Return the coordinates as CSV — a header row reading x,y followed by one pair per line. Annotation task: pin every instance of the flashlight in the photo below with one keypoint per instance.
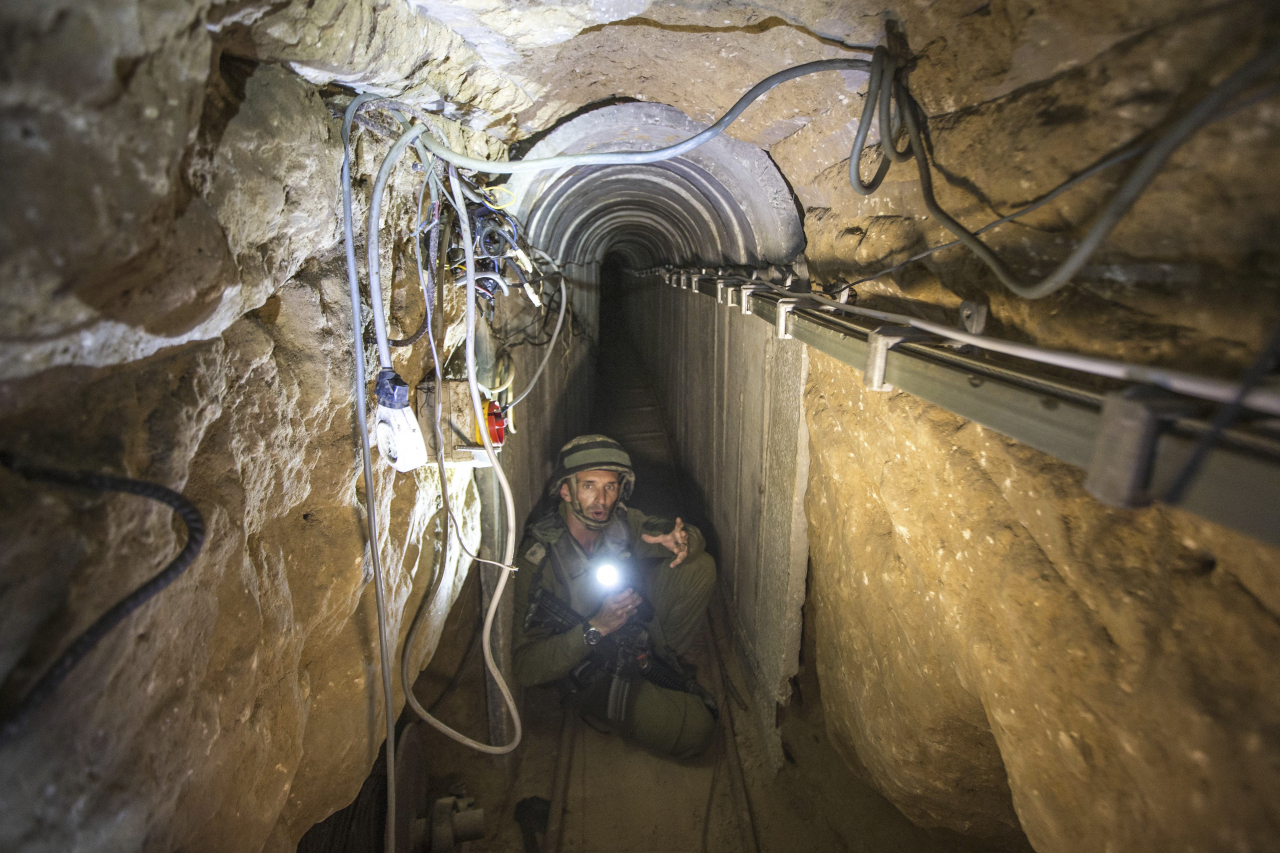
x,y
608,576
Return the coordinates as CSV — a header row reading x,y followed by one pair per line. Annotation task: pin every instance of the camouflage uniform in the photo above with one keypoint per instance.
x,y
672,722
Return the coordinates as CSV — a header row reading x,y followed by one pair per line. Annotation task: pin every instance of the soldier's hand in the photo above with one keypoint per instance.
x,y
615,611
677,542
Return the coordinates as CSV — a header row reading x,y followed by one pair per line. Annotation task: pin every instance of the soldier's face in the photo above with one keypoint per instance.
x,y
597,493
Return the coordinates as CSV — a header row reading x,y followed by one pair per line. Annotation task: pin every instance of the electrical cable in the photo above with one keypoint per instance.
x,y
504,384
1126,153
459,203
1133,187
878,87
885,92
15,720
499,473
375,209
371,510
1225,417
493,276
1204,387
407,672
426,280
564,299
626,158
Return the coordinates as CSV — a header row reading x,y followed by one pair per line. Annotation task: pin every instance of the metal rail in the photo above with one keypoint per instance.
x,y
1237,486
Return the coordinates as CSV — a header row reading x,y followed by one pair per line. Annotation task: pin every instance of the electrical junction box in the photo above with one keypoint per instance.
x,y
457,423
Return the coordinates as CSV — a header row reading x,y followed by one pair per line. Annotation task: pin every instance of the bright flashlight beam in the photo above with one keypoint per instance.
x,y
607,576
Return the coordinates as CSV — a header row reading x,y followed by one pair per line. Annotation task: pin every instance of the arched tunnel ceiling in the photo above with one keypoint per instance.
x,y
722,203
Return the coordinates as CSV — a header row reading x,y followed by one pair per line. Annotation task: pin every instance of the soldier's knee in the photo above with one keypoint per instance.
x,y
669,722
696,734
701,572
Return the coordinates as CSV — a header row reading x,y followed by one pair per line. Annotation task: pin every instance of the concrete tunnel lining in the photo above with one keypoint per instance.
x,y
722,203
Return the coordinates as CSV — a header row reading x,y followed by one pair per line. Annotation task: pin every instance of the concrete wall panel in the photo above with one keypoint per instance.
x,y
731,394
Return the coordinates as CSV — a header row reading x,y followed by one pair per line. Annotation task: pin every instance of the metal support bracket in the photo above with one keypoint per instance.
x,y
973,316
785,307
879,343
745,294
973,319
1124,449
719,291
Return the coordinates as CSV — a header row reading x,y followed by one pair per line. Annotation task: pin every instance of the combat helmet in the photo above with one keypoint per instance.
x,y
593,453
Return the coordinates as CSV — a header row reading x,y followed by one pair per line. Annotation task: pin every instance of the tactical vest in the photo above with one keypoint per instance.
x,y
556,546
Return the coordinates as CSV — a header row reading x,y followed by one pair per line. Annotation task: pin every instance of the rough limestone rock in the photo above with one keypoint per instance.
x,y
244,701
173,310
272,186
215,176
100,104
997,648
502,31
385,47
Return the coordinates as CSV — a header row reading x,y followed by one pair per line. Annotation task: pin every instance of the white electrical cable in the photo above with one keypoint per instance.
x,y
564,297
1204,387
371,510
460,203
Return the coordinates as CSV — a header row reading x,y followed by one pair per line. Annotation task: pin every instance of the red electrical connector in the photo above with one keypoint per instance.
x,y
497,423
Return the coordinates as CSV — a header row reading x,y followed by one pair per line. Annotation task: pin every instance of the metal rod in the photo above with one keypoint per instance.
x,y
1238,485
560,783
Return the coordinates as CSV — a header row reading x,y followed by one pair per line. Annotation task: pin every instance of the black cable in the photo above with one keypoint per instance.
x,y
1225,417
511,262
879,89
1119,204
1128,152
544,320
427,272
1118,157
16,719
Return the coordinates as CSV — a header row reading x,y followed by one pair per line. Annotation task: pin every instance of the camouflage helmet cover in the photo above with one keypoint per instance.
x,y
594,453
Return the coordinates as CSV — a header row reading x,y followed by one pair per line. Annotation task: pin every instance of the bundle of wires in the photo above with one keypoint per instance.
x,y
489,243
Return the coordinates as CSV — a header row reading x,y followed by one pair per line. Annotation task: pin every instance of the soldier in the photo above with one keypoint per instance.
x,y
645,583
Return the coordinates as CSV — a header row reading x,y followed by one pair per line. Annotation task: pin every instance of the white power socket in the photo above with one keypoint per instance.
x,y
400,439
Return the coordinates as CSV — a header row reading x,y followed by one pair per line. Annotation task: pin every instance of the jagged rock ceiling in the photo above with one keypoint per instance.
x,y
172,308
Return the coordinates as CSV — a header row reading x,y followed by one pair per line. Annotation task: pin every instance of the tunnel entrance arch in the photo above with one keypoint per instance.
x,y
723,203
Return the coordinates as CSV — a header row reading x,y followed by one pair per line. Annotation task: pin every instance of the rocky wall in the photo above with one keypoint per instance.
x,y
998,649
243,703
175,308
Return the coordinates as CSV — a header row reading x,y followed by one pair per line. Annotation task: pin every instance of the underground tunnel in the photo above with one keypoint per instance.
x,y
653,428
